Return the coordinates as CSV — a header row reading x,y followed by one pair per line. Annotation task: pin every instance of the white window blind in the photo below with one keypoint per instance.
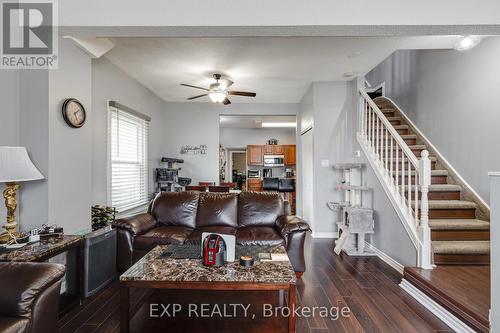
x,y
128,135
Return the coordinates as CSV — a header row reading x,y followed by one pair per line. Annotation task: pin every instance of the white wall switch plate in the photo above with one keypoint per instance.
x,y
357,153
325,163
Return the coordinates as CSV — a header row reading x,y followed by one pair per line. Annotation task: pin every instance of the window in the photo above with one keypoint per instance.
x,y
128,134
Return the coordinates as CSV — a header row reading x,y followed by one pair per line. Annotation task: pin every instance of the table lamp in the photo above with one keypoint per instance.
x,y
15,167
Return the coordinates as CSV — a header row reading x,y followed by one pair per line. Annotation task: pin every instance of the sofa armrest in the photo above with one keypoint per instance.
x,y
136,225
290,224
26,286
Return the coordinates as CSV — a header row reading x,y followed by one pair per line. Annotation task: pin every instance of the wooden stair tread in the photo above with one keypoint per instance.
x,y
458,224
412,147
439,172
394,118
439,188
461,247
396,126
450,204
463,290
431,158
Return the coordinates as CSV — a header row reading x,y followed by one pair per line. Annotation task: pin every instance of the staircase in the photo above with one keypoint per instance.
x,y
446,220
459,223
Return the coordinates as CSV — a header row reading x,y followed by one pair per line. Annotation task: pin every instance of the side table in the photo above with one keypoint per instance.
x,y
49,247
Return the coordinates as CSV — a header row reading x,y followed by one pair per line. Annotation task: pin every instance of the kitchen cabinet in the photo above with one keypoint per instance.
x,y
274,149
279,150
255,155
290,152
254,185
269,150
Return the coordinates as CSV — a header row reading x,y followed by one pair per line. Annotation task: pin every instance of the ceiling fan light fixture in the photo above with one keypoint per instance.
x,y
217,96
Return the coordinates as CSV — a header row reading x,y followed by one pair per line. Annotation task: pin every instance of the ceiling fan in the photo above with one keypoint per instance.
x,y
217,92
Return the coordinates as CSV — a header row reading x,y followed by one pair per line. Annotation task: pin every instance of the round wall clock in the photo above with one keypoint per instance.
x,y
74,113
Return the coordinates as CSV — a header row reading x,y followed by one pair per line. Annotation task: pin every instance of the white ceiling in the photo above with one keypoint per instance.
x,y
254,121
278,69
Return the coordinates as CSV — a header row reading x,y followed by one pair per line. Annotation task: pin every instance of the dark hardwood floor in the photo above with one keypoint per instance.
x,y
367,286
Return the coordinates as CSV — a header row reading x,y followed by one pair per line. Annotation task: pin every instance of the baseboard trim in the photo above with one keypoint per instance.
x,y
386,258
444,315
323,234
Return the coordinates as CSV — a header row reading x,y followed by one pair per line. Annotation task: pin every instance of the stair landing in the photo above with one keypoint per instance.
x,y
462,290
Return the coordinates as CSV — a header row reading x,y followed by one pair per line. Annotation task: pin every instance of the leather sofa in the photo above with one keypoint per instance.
x,y
29,296
255,218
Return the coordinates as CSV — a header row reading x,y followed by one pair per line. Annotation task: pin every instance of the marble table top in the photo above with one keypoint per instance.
x,y
155,267
43,249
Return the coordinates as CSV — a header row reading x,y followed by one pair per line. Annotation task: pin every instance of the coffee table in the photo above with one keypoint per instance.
x,y
160,270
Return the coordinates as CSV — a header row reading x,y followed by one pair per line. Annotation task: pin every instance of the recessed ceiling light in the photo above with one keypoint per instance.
x,y
278,125
354,54
467,43
350,74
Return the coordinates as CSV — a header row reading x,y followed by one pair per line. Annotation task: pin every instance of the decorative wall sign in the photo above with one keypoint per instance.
x,y
194,150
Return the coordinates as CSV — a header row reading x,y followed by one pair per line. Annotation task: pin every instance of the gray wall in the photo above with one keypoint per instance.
x,y
70,150
111,83
34,135
332,130
331,107
198,123
9,115
241,137
451,97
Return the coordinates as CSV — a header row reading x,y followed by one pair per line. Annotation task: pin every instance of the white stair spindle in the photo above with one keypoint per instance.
x,y
397,168
362,117
409,187
403,179
378,138
386,151
392,161
415,182
369,127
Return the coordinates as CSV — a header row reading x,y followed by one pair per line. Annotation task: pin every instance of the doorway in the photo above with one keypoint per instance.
x,y
237,167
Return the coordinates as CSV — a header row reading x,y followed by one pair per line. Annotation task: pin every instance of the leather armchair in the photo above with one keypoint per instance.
x,y
29,296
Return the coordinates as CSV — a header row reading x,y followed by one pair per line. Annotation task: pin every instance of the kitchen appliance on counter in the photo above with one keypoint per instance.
x,y
253,174
267,172
274,160
289,173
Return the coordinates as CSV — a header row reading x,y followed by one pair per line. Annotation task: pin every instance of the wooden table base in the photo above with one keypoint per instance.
x,y
126,313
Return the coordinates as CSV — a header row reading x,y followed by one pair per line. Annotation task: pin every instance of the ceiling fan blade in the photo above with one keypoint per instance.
x,y
190,98
242,93
226,101
225,84
188,85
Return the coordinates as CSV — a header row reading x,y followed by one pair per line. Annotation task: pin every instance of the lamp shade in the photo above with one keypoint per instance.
x,y
16,166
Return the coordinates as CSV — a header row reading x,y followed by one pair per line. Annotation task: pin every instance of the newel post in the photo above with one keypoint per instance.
x,y
425,255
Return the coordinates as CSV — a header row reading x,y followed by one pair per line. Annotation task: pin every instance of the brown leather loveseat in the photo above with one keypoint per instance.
x,y
29,296
255,218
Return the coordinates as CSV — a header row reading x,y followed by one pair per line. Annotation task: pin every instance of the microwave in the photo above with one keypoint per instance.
x,y
253,174
274,160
